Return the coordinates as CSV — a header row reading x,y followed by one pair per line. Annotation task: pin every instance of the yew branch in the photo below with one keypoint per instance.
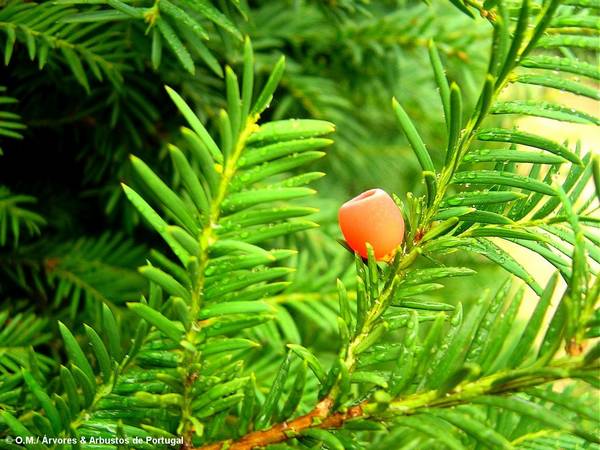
x,y
501,383
319,417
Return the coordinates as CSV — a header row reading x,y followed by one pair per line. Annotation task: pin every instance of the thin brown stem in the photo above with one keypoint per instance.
x,y
319,417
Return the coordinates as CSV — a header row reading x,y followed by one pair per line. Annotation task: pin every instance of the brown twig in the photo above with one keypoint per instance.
x,y
319,417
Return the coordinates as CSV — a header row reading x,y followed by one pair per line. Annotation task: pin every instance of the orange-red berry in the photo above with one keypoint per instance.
x,y
372,217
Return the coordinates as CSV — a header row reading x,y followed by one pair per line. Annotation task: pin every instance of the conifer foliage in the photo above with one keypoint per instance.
x,y
194,302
